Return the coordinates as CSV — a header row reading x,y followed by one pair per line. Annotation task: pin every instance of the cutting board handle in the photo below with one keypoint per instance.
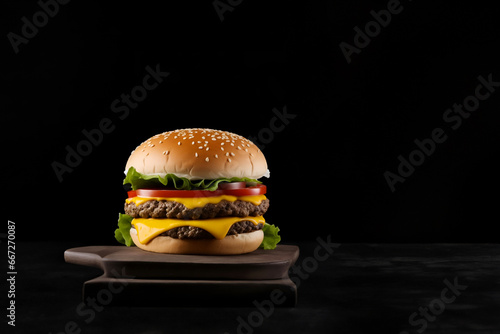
x,y
87,256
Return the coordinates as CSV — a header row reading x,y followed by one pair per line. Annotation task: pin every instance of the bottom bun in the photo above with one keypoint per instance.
x,y
230,245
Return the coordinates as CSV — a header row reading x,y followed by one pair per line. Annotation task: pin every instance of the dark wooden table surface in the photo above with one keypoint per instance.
x,y
342,288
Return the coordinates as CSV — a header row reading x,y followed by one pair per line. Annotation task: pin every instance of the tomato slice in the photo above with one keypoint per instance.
x,y
258,189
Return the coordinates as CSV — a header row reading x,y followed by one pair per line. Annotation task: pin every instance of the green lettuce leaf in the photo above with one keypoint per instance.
x,y
122,233
271,236
138,180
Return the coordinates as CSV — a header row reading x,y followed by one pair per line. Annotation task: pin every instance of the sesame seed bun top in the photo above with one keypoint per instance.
x,y
199,154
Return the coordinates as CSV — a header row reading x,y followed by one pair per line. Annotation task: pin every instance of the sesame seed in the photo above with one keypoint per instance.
x,y
192,143
222,148
222,144
216,156
160,142
179,143
228,159
200,148
227,154
246,150
232,154
239,147
208,148
207,159
196,154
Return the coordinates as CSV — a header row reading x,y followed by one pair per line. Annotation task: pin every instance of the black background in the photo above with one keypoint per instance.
x,y
327,165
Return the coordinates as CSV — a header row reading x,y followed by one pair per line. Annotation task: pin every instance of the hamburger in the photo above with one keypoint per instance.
x,y
196,191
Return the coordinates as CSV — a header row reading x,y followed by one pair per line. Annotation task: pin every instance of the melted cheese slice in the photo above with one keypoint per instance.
x,y
197,202
148,228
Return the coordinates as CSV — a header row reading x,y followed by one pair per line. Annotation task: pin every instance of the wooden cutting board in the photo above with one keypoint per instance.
x,y
132,261
136,277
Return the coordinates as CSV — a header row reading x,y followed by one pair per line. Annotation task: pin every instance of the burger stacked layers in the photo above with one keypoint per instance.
x,y
196,191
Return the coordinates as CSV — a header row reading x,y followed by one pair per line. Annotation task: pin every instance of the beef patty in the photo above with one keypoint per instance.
x,y
191,232
171,209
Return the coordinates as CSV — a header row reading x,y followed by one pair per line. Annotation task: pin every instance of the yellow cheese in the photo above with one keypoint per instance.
x,y
148,228
197,202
